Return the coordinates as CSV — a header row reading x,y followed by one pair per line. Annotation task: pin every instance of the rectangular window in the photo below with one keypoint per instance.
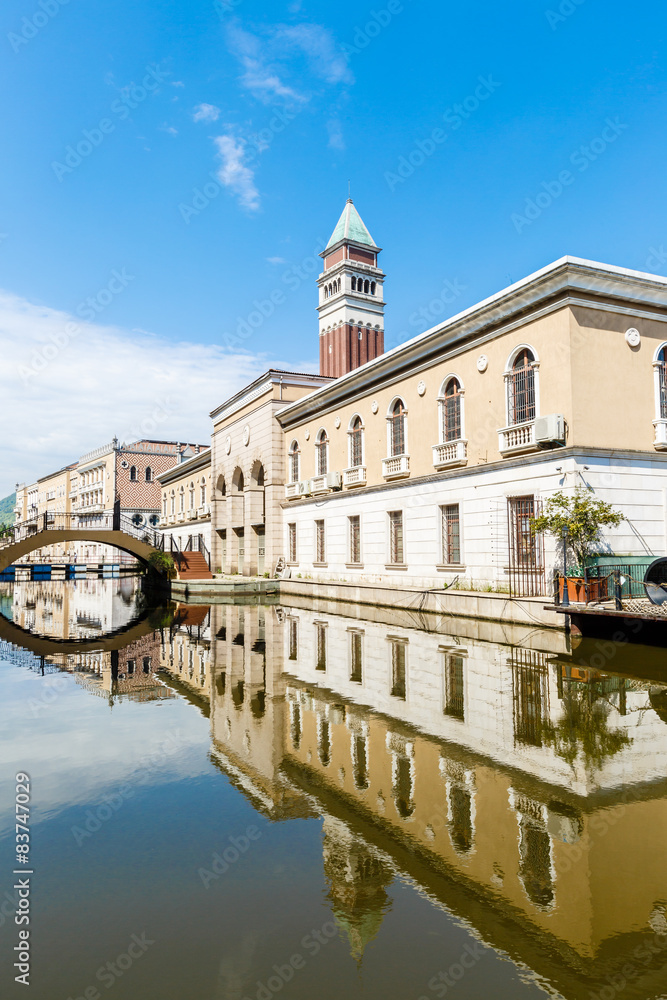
x,y
398,669
355,539
130,666
293,638
321,647
356,665
451,534
453,686
320,553
291,536
396,548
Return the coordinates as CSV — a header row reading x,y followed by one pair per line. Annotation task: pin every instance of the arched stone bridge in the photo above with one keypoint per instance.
x,y
107,527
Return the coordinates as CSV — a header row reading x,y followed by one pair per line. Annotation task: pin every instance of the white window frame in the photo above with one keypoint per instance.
x,y
442,402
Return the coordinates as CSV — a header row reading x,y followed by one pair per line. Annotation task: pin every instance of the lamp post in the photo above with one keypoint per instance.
x,y
566,597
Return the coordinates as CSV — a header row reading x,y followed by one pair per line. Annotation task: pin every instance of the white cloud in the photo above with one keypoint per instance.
x,y
206,113
260,77
169,129
276,260
335,130
61,399
325,58
234,173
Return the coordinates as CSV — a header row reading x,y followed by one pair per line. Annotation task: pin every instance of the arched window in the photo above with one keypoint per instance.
x,y
661,383
397,421
149,474
356,442
372,288
451,406
367,287
221,486
322,453
192,496
294,462
354,284
173,502
521,388
181,499
164,504
202,491
133,473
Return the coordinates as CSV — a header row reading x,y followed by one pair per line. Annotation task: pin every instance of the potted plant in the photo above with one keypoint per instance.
x,y
577,519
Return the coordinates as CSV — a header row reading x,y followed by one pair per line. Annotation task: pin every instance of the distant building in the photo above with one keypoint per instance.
x,y
114,475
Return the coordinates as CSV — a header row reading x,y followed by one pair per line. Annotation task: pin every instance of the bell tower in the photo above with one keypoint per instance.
x,y
351,307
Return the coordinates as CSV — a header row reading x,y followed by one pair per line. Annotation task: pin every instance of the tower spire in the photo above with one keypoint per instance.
x,y
351,304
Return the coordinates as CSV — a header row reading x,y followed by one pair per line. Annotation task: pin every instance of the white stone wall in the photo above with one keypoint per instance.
x,y
635,486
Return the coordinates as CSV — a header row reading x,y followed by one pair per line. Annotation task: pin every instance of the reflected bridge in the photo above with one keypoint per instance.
x,y
41,645
106,527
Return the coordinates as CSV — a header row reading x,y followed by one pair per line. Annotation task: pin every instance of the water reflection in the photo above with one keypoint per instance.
x,y
489,767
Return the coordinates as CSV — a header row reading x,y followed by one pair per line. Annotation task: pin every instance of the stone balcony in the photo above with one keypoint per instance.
x,y
517,439
356,476
396,467
450,453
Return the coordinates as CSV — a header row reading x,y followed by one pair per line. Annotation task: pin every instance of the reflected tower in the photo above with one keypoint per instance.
x,y
358,880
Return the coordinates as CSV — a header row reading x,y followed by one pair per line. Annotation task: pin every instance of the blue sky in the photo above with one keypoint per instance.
x,y
275,106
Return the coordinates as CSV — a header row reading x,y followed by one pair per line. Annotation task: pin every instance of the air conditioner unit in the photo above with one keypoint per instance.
x,y
334,480
550,430
305,488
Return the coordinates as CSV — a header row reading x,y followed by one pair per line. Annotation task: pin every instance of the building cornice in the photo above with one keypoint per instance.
x,y
488,468
569,281
194,464
262,385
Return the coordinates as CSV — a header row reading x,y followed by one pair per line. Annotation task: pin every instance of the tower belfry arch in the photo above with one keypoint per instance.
x,y
351,300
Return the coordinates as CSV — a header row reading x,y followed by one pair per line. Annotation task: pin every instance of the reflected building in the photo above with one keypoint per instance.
x,y
477,762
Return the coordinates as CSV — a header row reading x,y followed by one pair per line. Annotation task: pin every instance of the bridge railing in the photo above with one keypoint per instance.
x,y
98,521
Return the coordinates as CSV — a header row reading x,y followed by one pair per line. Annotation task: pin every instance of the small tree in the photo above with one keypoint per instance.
x,y
162,563
582,514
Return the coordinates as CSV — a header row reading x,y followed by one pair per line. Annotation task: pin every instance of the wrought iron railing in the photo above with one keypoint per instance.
x,y
108,520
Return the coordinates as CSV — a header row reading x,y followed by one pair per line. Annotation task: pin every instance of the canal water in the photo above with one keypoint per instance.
x,y
324,801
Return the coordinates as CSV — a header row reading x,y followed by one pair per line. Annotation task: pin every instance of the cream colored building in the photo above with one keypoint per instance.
x,y
248,473
426,464
185,516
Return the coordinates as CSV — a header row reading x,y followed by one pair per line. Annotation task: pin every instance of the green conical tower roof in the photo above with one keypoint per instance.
x,y
350,226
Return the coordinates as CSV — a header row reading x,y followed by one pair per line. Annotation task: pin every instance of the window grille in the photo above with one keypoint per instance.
x,y
450,412
397,429
396,549
355,539
521,389
320,553
451,534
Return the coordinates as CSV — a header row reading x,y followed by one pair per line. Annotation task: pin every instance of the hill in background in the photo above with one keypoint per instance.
x,y
7,509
